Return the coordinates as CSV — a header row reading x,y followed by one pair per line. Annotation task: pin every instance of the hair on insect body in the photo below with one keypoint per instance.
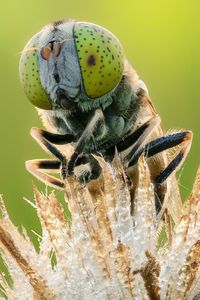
x,y
91,100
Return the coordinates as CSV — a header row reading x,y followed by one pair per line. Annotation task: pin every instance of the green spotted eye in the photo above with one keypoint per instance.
x,y
100,57
29,75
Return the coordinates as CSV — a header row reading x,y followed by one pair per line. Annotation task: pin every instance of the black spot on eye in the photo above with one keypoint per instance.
x,y
91,60
113,56
86,51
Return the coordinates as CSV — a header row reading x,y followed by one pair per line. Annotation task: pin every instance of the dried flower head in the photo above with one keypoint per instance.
x,y
108,251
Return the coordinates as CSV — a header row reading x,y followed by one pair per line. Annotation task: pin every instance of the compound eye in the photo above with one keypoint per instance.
x,y
100,57
29,75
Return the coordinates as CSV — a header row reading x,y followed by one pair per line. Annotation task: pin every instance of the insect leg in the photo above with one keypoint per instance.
x,y
148,128
45,138
86,135
39,167
132,138
177,160
54,138
163,143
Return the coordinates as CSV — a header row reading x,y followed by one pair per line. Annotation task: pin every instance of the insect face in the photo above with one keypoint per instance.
x,y
75,62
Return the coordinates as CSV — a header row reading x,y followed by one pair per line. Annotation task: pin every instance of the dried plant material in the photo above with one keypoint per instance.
x,y
106,252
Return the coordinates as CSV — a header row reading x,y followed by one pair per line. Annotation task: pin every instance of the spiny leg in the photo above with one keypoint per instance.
x,y
39,167
144,130
54,138
45,138
159,145
163,143
131,139
148,128
178,160
85,137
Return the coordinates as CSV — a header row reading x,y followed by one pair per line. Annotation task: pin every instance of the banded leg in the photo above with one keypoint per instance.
x,y
39,167
141,141
45,140
164,143
131,139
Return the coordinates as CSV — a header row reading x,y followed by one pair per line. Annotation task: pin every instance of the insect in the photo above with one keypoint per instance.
x,y
90,97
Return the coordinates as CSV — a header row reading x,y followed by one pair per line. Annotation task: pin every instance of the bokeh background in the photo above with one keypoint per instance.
x,y
160,38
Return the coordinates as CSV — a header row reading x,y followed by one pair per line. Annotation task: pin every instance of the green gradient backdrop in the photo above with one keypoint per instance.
x,y
160,38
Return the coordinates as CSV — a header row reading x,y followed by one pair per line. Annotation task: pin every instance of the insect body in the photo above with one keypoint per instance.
x,y
89,96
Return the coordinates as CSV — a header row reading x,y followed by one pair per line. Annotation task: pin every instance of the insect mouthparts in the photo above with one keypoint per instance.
x,y
64,101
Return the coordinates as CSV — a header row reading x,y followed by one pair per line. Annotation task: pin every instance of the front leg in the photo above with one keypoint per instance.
x,y
39,167
96,121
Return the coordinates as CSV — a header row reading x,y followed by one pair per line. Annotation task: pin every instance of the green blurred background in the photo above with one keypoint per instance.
x,y
160,38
